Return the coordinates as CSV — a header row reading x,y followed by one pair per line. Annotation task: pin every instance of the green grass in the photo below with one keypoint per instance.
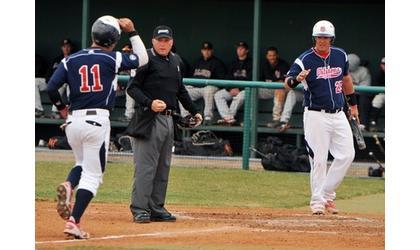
x,y
208,187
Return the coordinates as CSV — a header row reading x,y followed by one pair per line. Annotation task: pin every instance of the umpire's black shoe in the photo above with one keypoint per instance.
x,y
163,217
141,218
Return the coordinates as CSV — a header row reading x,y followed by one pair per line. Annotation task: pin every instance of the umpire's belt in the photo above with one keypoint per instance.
x,y
84,112
168,112
330,111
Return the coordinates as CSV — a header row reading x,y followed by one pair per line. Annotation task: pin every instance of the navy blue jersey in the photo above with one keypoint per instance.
x,y
323,86
91,76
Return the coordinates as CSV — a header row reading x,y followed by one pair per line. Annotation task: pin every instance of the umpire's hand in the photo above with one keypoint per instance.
x,y
158,105
198,119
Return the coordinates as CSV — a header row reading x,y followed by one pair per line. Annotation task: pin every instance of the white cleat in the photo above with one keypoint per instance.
x,y
330,207
318,210
71,229
64,195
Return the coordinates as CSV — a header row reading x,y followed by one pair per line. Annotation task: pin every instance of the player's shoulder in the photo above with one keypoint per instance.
x,y
93,51
305,54
339,50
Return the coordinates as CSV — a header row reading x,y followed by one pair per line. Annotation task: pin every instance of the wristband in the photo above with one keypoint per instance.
x,y
351,99
292,82
132,33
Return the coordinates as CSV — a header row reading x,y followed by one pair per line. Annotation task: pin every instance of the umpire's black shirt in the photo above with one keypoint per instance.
x,y
161,79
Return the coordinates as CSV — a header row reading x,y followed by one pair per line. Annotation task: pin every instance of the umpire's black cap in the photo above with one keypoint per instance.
x,y
162,31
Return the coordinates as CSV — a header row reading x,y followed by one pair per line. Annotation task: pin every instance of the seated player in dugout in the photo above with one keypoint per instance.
x,y
240,69
207,66
273,70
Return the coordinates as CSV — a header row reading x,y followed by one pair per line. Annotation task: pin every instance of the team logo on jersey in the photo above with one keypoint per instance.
x,y
132,57
202,72
325,73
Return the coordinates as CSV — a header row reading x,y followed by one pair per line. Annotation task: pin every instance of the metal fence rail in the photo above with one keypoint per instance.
x,y
249,128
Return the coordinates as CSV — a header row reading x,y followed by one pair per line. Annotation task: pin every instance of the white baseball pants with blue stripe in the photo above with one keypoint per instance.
x,y
88,136
327,132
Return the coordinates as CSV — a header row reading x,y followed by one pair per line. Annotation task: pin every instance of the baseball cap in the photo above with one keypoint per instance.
x,y
66,42
243,44
207,45
162,31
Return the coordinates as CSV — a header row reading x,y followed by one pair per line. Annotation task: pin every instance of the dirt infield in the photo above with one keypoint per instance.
x,y
111,226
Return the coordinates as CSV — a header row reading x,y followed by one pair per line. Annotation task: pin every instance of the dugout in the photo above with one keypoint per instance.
x,y
360,29
360,25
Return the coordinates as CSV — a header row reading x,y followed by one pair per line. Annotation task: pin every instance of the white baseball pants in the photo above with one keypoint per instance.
x,y
327,132
207,93
88,136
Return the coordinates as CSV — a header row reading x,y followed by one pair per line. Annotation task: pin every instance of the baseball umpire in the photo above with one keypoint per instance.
x,y
323,70
156,88
91,75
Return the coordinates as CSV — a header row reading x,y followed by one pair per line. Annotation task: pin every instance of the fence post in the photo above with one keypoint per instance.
x,y
246,129
255,74
85,20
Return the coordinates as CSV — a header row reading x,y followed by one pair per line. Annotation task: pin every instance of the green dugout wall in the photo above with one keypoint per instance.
x,y
360,25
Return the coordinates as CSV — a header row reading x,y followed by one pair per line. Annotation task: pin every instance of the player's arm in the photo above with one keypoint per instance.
x,y
348,90
56,81
295,75
138,46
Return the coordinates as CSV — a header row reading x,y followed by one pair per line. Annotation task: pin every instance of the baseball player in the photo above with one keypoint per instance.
x,y
323,70
91,75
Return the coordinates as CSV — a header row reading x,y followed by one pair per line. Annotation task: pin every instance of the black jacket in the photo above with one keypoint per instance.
x,y
240,70
160,79
275,73
213,68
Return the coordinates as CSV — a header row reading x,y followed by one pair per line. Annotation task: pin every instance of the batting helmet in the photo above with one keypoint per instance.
x,y
106,31
323,28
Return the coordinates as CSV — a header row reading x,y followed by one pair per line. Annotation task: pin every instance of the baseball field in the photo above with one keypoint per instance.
x,y
216,208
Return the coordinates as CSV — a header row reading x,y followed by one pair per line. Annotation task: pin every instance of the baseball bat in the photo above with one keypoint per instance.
x,y
372,155
258,152
357,133
378,142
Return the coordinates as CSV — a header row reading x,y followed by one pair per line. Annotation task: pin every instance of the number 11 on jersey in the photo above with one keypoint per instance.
x,y
85,87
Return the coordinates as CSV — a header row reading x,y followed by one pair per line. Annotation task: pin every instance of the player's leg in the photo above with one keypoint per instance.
x,y
236,103
65,189
279,98
377,103
317,140
195,94
221,98
342,149
129,106
95,138
40,85
160,183
208,96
